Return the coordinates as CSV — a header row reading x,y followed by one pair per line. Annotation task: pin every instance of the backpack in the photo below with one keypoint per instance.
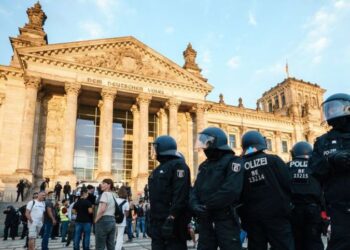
x,y
118,214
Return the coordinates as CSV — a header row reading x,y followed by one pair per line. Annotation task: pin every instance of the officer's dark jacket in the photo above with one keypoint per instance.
x,y
169,186
219,183
267,190
305,188
334,179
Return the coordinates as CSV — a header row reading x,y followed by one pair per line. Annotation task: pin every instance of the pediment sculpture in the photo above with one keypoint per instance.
x,y
127,60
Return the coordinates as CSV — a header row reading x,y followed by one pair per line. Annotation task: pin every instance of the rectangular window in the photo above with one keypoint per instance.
x,y
232,140
269,144
284,146
283,100
270,106
277,103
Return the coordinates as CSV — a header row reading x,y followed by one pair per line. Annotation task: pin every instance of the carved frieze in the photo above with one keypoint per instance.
x,y
127,60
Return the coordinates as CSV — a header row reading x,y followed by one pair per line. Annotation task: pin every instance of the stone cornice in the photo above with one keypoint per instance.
x,y
300,84
10,72
88,46
103,71
249,114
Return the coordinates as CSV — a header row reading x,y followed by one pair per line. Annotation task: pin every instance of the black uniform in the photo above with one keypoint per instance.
x,y
57,190
11,222
266,202
169,186
218,187
335,179
20,190
67,190
306,215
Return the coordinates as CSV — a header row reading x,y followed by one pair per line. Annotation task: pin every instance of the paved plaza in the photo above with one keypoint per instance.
x,y
57,244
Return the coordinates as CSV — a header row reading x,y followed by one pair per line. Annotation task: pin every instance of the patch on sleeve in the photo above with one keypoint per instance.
x,y
180,173
236,167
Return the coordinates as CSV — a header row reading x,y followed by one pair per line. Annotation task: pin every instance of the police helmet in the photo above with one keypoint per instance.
x,y
336,106
212,138
253,141
164,145
302,150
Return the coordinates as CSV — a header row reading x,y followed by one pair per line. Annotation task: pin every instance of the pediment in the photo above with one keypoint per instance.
x,y
127,55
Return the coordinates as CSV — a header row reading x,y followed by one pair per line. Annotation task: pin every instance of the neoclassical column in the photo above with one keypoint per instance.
x,y
163,122
198,156
70,120
278,142
189,158
2,99
135,147
143,101
32,85
173,105
105,134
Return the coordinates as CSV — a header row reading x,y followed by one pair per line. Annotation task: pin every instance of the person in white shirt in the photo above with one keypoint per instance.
x,y
35,212
122,202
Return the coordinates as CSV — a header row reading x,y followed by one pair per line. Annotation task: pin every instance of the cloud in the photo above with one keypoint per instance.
x,y
252,19
169,30
342,4
92,29
233,62
317,46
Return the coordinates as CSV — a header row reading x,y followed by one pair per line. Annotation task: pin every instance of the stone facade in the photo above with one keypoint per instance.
x,y
43,88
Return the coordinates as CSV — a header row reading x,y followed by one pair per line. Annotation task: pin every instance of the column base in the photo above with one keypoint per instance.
x,y
104,175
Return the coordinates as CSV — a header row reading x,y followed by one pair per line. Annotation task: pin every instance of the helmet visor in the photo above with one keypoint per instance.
x,y
335,108
204,141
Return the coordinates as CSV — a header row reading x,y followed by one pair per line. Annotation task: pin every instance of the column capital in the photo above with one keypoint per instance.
x,y
188,116
200,107
2,98
172,103
134,109
161,112
72,88
278,133
108,94
32,82
144,99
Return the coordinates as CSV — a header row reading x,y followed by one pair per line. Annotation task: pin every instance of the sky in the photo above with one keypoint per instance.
x,y
242,45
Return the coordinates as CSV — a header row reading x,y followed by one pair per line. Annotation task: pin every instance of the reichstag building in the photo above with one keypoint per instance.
x,y
89,110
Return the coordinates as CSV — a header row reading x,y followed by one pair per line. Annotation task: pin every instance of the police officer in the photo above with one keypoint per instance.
x,y
266,196
216,192
307,198
169,186
330,163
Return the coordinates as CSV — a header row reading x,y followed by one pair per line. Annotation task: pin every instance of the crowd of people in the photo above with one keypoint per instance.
x,y
78,214
285,206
